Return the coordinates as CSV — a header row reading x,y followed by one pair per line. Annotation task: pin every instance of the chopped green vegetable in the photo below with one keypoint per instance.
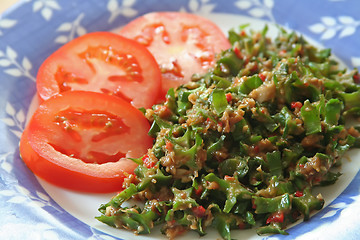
x,y
245,143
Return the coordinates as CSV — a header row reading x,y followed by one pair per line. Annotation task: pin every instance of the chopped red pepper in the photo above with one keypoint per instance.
x,y
169,146
227,177
295,105
199,190
199,211
242,225
243,33
238,52
147,162
317,179
254,68
256,149
228,97
253,204
356,78
275,217
299,194
282,52
262,77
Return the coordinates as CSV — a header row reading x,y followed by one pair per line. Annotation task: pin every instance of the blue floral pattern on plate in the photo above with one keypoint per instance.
x,y
33,29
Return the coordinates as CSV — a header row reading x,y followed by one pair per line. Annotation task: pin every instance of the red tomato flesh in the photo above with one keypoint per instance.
x,y
102,62
81,141
182,43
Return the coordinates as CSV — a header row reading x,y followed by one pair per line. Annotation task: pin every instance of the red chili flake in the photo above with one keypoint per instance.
x,y
356,78
254,68
199,190
169,146
238,52
262,77
247,60
299,194
256,149
227,177
242,225
243,33
228,97
295,105
317,179
199,211
283,51
253,204
147,162
220,124
275,217
301,165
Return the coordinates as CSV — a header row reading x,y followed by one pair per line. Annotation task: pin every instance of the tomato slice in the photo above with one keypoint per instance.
x,y
81,141
102,62
182,43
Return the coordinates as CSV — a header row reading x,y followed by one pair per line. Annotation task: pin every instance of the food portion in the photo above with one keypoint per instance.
x,y
82,141
245,143
182,44
89,124
102,62
248,127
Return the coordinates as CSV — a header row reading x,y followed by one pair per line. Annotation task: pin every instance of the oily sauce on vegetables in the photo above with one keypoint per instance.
x,y
245,143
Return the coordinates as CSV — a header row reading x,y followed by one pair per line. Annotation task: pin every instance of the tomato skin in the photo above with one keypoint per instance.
x,y
100,62
38,151
182,43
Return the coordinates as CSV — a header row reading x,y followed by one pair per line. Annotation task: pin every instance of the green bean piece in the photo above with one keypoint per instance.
x,y
311,117
244,143
218,101
307,203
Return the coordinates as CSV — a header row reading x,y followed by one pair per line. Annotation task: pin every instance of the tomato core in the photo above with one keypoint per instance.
x,y
126,68
93,126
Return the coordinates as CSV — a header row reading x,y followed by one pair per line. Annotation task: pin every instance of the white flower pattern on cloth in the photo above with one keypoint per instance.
x,y
6,23
74,29
330,26
21,195
8,60
124,9
199,6
27,211
257,8
29,230
46,8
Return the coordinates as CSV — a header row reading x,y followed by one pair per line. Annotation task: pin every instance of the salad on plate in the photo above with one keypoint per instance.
x,y
194,129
